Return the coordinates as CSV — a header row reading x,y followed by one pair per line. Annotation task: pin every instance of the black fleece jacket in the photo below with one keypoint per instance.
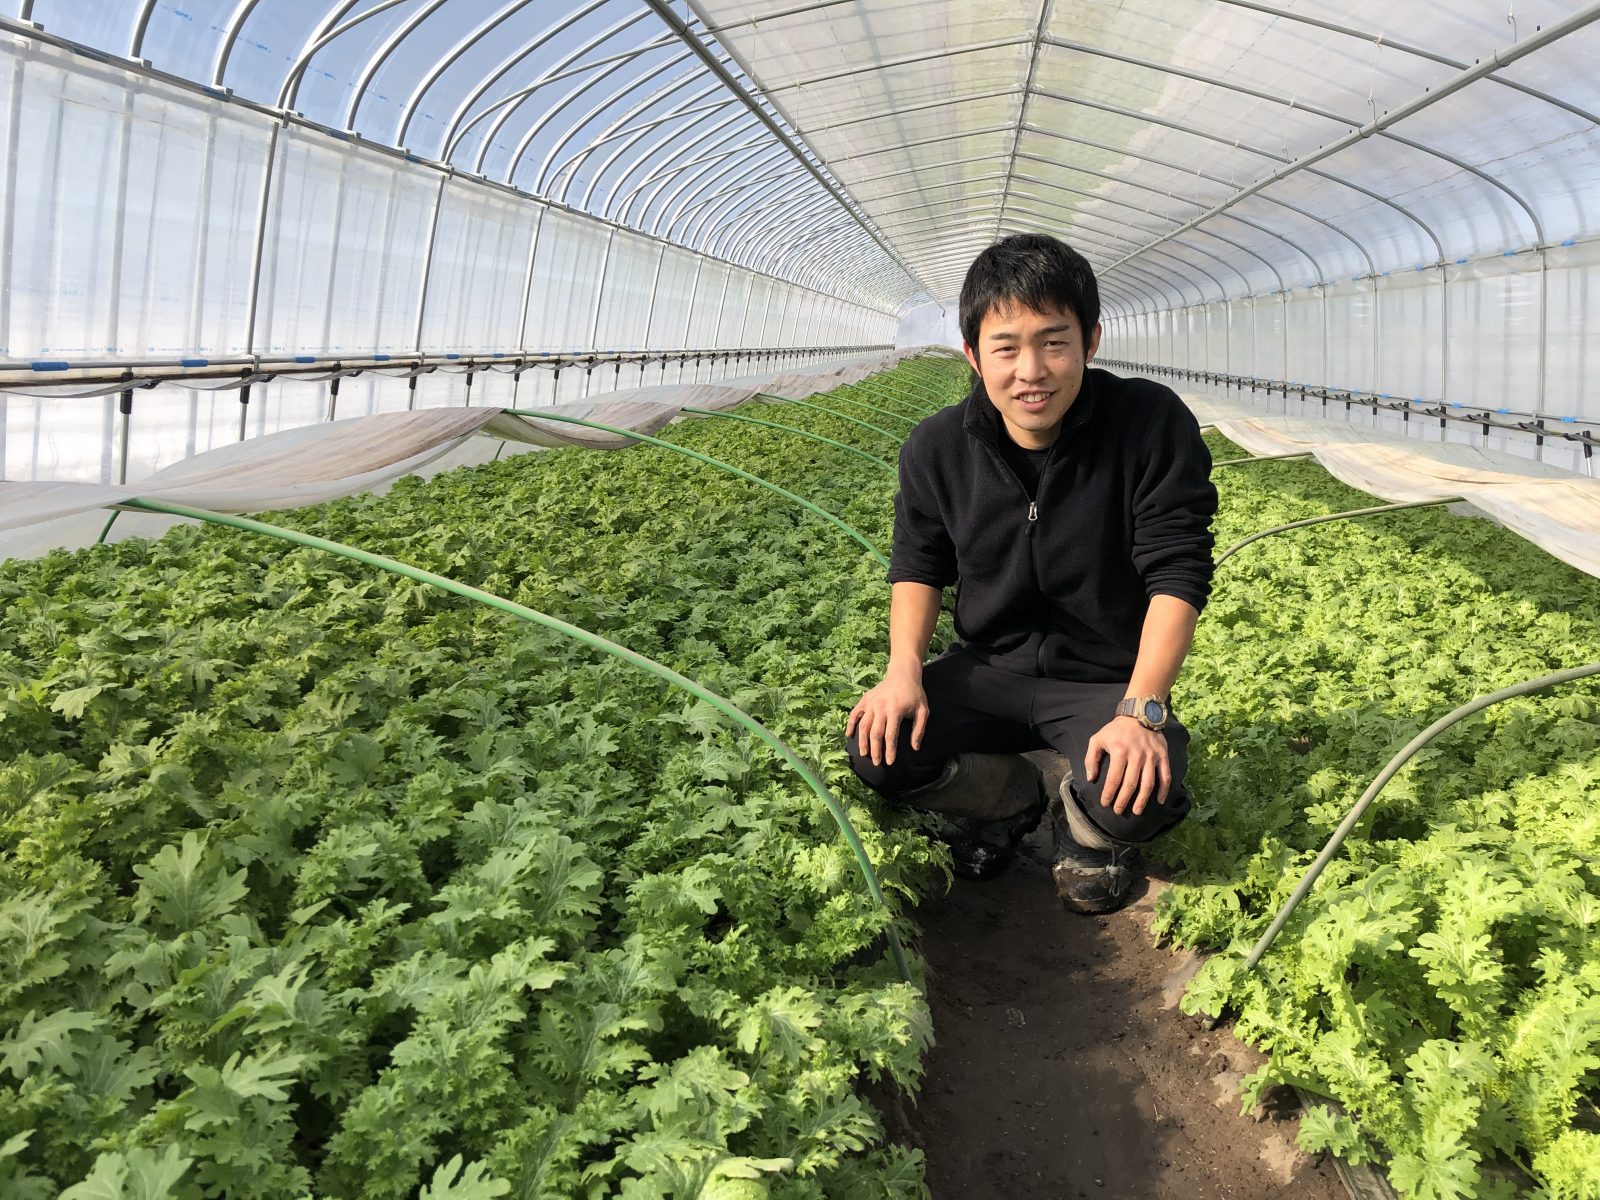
x,y
1059,586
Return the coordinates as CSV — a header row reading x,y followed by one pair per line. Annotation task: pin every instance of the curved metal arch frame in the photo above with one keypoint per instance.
x,y
619,204
677,123
1159,216
1290,242
700,229
1417,104
1325,114
828,180
742,249
760,249
1078,216
562,70
1383,40
1236,144
671,207
1228,184
574,60
381,55
688,197
547,117
792,188
545,181
507,65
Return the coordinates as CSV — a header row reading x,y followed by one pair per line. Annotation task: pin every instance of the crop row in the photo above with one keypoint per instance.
x,y
1442,983
315,881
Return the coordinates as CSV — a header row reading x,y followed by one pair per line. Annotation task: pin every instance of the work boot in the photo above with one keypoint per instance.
x,y
993,802
1092,873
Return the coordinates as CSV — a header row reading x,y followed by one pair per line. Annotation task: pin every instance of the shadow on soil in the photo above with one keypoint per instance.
x,y
1063,1067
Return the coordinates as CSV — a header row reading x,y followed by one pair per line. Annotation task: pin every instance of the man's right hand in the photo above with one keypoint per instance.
x,y
875,720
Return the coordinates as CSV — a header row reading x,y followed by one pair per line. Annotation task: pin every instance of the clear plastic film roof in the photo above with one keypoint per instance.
x,y
1194,149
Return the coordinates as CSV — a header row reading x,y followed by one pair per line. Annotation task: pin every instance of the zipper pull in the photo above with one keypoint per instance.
x,y
1033,510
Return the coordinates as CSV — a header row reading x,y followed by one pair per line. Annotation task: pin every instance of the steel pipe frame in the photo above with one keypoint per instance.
x,y
661,174
891,64
507,64
574,60
1234,144
1039,27
629,135
1550,33
549,114
1405,48
375,61
1337,118
778,189
280,120
678,206
663,9
1266,262
543,180
1228,184
290,88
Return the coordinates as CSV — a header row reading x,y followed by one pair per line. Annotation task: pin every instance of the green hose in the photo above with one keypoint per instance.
x,y
1339,516
705,458
832,412
1388,773
882,412
416,574
1255,458
105,529
853,389
815,437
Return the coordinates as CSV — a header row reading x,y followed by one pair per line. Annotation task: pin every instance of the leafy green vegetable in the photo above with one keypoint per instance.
x,y
315,882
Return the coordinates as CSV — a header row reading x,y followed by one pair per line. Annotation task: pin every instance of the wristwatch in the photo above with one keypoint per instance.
x,y
1149,711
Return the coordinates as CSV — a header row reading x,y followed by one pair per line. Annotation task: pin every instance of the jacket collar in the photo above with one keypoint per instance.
x,y
982,420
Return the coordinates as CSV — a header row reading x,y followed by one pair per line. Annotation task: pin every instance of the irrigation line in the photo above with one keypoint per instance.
x,y
106,528
594,640
870,407
1388,773
1255,458
827,516
833,412
815,437
854,388
1338,516
912,398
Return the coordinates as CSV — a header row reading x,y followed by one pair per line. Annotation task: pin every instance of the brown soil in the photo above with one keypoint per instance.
x,y
1063,1067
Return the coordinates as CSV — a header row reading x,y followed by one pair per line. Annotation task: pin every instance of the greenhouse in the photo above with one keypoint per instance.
x,y
458,461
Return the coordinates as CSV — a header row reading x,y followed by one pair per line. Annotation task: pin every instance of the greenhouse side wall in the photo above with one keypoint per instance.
x,y
145,219
1514,337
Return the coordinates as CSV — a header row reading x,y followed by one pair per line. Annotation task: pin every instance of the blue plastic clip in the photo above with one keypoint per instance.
x,y
51,364
194,362
305,358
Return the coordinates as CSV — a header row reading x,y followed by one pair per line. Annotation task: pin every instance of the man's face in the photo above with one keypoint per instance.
x,y
1032,365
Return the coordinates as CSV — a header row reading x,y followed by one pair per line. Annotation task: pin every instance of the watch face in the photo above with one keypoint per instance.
x,y
1154,713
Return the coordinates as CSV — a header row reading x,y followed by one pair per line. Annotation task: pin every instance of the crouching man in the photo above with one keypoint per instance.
x,y
1075,509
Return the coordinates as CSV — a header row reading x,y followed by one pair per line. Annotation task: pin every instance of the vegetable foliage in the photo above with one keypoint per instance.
x,y
315,881
1442,981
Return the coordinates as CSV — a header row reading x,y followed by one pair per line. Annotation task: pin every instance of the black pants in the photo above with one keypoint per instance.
x,y
975,708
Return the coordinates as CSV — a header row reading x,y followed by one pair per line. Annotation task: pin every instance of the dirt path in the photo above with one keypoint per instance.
x,y
1063,1067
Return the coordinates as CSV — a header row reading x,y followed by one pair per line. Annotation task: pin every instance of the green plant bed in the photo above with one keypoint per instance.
x,y
1442,982
313,880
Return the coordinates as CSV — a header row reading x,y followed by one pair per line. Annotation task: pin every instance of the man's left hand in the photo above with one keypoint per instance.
x,y
1136,765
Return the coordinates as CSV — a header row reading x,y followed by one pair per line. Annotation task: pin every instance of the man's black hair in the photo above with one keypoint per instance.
x,y
1032,269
